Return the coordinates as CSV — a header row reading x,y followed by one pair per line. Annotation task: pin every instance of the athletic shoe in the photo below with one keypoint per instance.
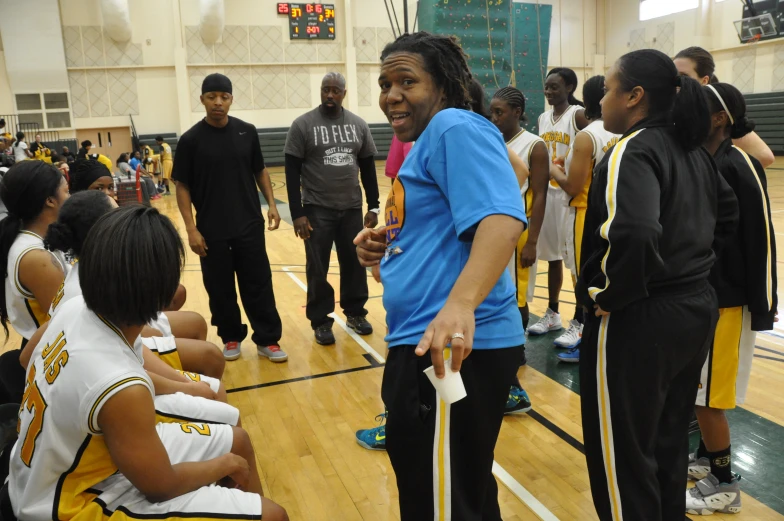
x,y
273,352
517,401
709,496
551,321
231,351
699,468
375,438
360,325
155,197
166,194
160,189
571,356
324,335
572,337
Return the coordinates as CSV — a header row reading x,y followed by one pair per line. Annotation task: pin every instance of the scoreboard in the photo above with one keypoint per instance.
x,y
309,21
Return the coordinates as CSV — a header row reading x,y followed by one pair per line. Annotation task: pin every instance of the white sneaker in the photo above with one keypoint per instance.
x,y
699,468
572,337
551,321
709,496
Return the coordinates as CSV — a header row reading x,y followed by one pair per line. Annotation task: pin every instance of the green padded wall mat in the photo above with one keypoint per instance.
x,y
506,42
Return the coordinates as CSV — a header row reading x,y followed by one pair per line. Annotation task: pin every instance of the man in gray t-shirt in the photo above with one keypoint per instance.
x,y
327,150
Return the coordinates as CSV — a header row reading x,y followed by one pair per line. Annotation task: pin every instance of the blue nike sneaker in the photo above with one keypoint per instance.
x,y
517,401
375,438
571,356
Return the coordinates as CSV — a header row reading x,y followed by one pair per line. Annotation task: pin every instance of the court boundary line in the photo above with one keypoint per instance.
x,y
514,486
370,359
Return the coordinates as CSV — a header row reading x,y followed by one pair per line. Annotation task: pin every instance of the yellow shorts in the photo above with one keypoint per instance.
x,y
574,226
725,375
520,275
167,169
164,347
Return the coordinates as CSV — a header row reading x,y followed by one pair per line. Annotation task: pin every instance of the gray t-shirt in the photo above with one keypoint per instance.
x,y
330,149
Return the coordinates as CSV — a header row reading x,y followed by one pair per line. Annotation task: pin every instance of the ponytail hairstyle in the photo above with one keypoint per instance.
x,y
19,137
514,98
477,102
703,61
569,78
123,158
76,218
593,92
24,190
725,97
655,72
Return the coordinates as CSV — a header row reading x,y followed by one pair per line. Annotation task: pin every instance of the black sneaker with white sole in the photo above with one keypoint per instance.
x,y
360,325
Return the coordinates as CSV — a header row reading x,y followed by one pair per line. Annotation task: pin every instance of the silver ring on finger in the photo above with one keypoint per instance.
x,y
461,336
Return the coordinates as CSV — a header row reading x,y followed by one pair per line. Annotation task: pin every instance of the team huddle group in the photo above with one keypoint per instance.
x,y
663,222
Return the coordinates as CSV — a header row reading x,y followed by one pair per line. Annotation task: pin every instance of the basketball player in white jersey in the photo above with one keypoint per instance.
x,y
589,147
88,441
33,192
507,109
557,127
179,395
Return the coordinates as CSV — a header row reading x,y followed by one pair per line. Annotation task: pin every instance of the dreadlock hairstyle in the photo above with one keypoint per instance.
x,y
477,103
723,96
703,62
514,98
655,72
444,59
569,78
593,92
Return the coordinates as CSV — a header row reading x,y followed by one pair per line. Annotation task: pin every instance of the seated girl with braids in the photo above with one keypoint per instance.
x,y
67,236
198,356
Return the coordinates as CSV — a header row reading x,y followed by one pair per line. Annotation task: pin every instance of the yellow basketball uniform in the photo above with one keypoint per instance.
x,y
575,218
167,160
522,145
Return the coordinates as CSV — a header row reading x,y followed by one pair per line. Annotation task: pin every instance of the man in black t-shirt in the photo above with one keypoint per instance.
x,y
228,233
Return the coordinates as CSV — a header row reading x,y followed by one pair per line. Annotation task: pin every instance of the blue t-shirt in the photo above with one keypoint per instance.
x,y
456,174
134,163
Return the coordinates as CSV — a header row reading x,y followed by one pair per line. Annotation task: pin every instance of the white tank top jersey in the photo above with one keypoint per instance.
x,y
602,142
523,145
24,312
60,459
558,133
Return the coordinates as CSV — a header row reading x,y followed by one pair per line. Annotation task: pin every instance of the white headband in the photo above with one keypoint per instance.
x,y
724,105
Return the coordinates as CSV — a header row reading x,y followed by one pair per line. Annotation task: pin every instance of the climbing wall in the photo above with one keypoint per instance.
x,y
506,42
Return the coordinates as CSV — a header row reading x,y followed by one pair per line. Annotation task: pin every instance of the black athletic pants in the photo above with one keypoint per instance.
x,y
340,227
459,438
639,372
246,256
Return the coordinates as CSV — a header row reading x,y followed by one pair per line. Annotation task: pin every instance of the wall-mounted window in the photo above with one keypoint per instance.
x,y
48,110
650,9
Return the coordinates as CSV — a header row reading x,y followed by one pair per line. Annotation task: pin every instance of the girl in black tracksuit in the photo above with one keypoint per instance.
x,y
656,210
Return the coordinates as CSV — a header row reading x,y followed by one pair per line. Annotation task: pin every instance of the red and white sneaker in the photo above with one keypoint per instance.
x,y
231,350
273,352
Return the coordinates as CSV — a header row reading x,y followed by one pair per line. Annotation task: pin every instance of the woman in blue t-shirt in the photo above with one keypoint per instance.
x,y
450,231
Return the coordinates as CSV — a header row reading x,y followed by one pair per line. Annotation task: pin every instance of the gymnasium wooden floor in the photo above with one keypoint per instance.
x,y
302,414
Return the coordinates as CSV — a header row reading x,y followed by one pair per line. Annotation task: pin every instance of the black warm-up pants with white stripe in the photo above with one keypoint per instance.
x,y
639,372
443,454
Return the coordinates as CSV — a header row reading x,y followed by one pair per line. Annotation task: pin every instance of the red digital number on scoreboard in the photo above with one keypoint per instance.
x,y
283,8
313,29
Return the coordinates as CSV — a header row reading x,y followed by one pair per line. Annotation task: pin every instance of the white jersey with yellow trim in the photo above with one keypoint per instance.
x,y
523,145
24,312
558,132
602,142
60,458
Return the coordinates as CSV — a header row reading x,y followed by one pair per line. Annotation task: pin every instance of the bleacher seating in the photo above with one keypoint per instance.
x,y
767,111
274,139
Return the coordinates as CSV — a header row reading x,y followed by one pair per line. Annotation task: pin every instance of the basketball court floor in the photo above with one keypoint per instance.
x,y
302,414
